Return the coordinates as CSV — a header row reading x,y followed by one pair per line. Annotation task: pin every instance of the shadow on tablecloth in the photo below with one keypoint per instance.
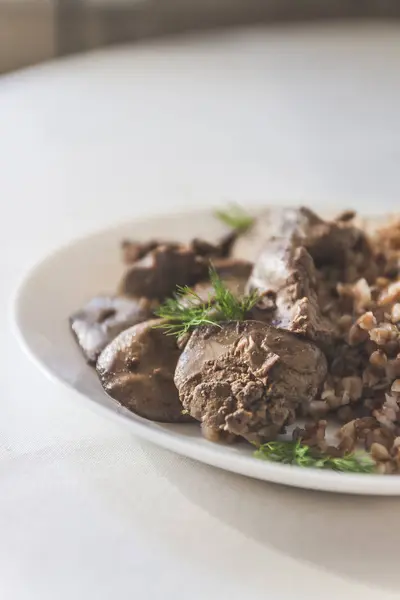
x,y
352,536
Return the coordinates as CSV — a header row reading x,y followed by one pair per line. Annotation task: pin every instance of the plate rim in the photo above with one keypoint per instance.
x,y
294,476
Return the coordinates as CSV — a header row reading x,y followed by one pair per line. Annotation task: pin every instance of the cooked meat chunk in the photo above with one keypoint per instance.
x,y
157,274
221,249
328,242
137,369
133,251
248,378
103,318
299,268
285,275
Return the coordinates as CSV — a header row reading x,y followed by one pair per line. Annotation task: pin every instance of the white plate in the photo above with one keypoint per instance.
x,y
64,281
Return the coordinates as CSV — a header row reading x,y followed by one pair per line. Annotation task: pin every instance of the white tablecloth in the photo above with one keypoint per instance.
x,y
86,510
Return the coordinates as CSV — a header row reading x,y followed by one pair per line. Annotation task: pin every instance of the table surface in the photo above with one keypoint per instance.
x,y
86,510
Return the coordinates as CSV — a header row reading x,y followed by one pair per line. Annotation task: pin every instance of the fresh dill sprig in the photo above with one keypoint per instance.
x,y
296,453
184,311
227,304
235,217
187,310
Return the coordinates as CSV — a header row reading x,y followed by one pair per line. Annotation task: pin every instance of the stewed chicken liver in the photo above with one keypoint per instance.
x,y
137,369
103,318
248,378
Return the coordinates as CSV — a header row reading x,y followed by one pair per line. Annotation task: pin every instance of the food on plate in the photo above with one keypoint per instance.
x,y
133,251
156,268
299,267
187,309
286,324
137,369
285,277
301,225
297,453
103,318
234,274
247,378
158,272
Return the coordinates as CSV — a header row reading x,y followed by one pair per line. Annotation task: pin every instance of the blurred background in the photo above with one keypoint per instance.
x,y
32,31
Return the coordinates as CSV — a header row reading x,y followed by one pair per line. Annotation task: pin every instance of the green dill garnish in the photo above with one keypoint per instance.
x,y
296,453
187,310
235,217
227,304
184,311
